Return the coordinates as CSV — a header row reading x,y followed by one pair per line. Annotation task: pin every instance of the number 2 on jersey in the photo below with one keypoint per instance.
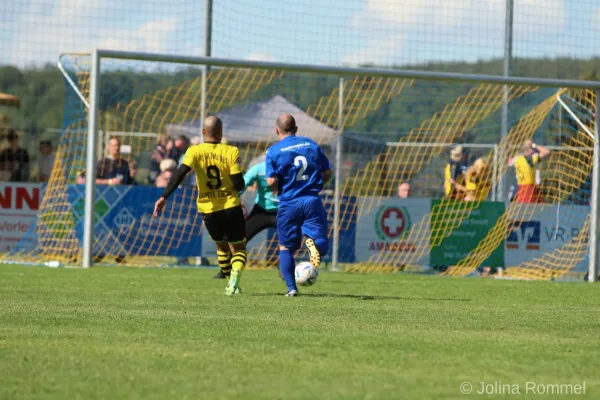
x,y
214,176
301,163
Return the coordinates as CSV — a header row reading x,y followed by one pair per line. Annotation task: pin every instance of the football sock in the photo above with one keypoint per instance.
x,y
287,266
224,262
238,261
322,246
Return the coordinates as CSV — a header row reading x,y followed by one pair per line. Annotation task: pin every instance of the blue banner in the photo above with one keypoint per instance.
x,y
123,221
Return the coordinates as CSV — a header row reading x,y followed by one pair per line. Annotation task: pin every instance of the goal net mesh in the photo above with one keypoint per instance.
x,y
392,131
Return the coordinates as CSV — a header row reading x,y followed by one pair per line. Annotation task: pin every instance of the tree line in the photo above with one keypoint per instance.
x,y
43,92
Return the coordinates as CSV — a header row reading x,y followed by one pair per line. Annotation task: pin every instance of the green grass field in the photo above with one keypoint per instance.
x,y
130,333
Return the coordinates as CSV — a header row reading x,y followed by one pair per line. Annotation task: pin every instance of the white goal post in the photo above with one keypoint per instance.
x,y
98,54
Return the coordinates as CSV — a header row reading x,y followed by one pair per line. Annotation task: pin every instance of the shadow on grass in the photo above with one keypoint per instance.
x,y
361,297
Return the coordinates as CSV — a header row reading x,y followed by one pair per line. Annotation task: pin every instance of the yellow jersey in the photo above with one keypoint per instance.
x,y
213,164
478,187
457,171
524,169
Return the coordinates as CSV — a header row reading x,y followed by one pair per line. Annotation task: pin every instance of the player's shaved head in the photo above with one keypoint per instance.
x,y
286,124
212,128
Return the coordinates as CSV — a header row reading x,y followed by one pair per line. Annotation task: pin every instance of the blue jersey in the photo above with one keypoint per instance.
x,y
298,164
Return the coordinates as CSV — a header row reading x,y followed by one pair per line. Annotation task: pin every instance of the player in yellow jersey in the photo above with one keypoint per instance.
x,y
454,173
477,181
219,177
524,163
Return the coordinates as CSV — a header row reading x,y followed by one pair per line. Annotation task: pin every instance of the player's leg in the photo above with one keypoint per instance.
x,y
236,236
314,228
290,239
224,258
259,220
215,223
255,223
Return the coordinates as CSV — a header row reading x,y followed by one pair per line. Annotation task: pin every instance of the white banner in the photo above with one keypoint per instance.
x,y
19,204
541,231
389,226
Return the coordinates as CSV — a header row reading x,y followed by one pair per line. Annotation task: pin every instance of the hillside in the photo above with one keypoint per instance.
x,y
42,92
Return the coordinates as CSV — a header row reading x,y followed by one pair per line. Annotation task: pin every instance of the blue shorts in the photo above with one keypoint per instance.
x,y
304,216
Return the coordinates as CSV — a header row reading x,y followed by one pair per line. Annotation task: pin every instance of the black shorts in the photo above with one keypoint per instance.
x,y
227,225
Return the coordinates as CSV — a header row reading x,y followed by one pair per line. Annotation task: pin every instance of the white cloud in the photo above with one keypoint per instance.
x,y
46,28
153,33
259,56
377,51
595,19
449,25
150,37
424,14
406,15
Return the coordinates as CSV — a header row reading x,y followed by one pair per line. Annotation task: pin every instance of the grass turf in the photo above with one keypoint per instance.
x,y
125,333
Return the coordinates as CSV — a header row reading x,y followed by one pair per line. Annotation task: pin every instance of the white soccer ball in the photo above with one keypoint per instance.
x,y
306,274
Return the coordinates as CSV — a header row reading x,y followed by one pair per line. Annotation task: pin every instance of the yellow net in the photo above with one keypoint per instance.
x,y
394,131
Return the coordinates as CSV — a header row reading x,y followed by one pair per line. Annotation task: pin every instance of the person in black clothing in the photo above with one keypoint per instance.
x,y
112,169
158,154
15,159
180,145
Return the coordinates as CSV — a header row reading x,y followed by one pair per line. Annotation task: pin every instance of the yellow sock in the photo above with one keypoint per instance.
x,y
238,261
224,262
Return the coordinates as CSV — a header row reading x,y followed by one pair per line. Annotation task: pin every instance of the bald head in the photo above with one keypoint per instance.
x,y
286,125
212,129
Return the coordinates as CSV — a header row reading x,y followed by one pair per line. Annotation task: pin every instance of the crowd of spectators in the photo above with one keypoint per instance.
x,y
463,180
115,168
15,161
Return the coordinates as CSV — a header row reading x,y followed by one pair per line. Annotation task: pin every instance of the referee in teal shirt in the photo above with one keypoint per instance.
x,y
264,212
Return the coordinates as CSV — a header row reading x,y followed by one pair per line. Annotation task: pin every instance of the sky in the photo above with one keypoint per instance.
x,y
331,32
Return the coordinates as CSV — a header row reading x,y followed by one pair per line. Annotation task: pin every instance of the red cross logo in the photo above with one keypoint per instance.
x,y
393,222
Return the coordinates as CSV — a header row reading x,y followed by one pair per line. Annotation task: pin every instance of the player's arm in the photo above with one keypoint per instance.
x,y
235,171
179,175
250,177
325,166
176,179
270,171
541,151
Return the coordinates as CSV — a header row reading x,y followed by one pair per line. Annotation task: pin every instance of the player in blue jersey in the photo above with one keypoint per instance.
x,y
298,168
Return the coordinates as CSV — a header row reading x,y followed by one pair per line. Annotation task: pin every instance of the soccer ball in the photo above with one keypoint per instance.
x,y
306,274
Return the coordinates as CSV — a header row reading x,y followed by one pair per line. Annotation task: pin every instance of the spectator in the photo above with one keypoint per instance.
x,y
477,181
164,178
455,173
178,148
132,172
15,159
167,167
528,191
5,171
404,190
158,155
112,169
45,161
168,164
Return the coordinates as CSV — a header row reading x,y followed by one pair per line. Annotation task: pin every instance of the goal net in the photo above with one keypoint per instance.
x,y
379,133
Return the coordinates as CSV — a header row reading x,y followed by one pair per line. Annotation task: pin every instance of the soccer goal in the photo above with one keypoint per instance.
x,y
380,128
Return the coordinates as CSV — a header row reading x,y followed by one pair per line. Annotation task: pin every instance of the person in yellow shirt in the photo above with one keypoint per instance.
x,y
531,154
219,178
477,181
454,173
